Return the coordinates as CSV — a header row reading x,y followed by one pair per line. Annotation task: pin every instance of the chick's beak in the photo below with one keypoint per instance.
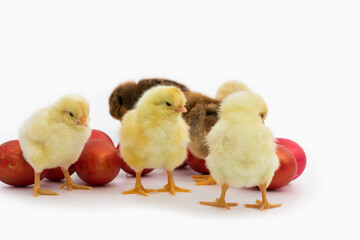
x,y
83,122
181,109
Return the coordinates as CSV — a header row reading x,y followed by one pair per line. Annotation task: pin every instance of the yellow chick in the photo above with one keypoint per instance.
x,y
154,135
198,138
54,137
241,148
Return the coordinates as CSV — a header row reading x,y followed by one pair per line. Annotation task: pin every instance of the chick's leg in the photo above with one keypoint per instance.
x,y
170,186
139,187
204,180
264,204
220,202
37,188
69,182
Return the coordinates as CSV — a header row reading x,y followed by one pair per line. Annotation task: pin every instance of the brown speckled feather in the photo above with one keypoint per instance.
x,y
125,96
202,115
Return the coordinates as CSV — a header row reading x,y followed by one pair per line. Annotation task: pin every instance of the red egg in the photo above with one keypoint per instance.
x,y
197,164
14,170
129,170
97,134
56,174
184,164
99,163
287,169
298,153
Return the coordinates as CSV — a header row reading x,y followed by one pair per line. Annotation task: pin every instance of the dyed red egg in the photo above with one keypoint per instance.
x,y
97,134
287,169
56,174
99,163
298,153
197,164
14,169
129,170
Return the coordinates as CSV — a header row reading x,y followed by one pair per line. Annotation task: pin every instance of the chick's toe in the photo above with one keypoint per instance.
x,y
170,186
261,205
69,184
220,204
204,180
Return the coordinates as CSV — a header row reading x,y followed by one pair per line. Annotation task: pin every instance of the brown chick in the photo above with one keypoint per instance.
x,y
202,115
124,96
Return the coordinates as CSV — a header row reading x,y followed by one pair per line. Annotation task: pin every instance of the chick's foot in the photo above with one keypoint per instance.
x,y
69,184
139,188
37,189
220,202
170,186
264,204
261,205
38,192
172,189
204,180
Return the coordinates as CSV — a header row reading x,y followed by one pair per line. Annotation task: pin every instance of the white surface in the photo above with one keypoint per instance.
x,y
302,57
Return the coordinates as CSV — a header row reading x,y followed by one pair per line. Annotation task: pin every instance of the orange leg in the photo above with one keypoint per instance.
x,y
69,182
220,202
170,186
37,189
204,180
139,189
264,204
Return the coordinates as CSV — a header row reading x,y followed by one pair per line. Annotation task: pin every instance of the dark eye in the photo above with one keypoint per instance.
x,y
167,103
262,115
120,99
71,114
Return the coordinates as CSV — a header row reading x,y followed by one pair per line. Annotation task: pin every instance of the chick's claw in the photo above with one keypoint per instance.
x,y
261,205
172,189
139,190
71,186
38,192
204,180
220,204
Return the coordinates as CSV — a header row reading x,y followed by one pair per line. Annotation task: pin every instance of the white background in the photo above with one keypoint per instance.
x,y
302,56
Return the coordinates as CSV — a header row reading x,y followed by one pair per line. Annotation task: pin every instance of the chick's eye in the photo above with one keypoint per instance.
x,y
71,114
167,103
120,99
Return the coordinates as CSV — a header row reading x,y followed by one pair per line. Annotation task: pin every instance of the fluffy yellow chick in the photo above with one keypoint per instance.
x,y
154,135
241,148
54,137
225,90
